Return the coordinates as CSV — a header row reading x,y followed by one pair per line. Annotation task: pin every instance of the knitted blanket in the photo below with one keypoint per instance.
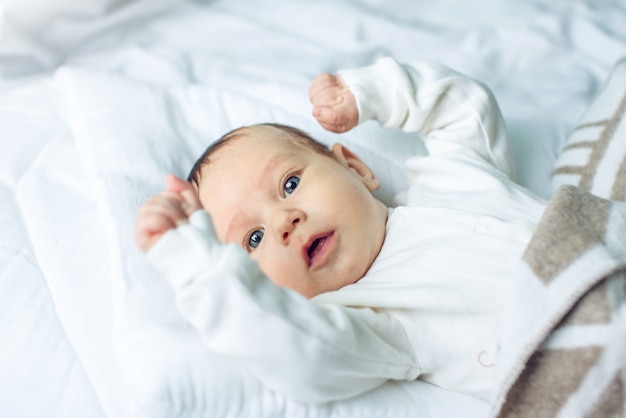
x,y
563,351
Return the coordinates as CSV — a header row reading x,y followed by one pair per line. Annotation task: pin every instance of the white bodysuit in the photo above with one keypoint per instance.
x,y
429,305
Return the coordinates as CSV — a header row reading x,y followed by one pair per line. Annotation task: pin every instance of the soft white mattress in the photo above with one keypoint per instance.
x,y
99,99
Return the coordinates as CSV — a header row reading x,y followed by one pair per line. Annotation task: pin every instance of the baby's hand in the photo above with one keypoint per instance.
x,y
334,105
165,211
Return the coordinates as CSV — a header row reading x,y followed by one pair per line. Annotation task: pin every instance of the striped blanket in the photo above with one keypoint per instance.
x,y
594,156
563,351
563,348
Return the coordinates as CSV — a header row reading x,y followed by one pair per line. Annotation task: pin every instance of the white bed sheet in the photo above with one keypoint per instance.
x,y
65,242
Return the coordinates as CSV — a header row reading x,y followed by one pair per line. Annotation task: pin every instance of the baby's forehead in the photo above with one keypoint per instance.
x,y
248,158
254,146
271,140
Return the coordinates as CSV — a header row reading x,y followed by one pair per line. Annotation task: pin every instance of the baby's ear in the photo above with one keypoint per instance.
x,y
353,162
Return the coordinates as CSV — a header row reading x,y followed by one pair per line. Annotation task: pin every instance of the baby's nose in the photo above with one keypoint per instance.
x,y
293,225
287,222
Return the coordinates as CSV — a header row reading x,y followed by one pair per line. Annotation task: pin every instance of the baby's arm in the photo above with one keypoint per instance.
x,y
449,110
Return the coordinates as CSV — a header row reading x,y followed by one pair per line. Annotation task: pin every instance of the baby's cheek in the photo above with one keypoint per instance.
x,y
271,265
286,274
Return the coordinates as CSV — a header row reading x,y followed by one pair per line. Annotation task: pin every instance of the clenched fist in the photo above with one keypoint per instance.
x,y
165,211
334,105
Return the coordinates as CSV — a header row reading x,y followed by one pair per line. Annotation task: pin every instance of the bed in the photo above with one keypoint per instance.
x,y
99,99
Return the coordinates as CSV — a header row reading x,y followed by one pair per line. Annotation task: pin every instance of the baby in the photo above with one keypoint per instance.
x,y
316,286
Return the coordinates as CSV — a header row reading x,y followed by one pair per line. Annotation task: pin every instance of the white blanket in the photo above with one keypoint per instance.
x,y
111,95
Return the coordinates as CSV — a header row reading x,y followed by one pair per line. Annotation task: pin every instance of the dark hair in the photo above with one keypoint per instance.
x,y
302,137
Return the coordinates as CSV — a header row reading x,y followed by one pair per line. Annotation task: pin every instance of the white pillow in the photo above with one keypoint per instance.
x,y
594,156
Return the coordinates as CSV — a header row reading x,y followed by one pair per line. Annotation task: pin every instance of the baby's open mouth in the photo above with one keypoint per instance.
x,y
315,246
318,248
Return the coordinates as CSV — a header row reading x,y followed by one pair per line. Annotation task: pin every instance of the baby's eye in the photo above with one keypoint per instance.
x,y
291,184
254,239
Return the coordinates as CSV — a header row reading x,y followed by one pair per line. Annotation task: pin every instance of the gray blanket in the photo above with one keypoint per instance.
x,y
563,350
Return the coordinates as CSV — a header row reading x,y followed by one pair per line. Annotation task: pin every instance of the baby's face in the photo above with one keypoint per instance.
x,y
309,220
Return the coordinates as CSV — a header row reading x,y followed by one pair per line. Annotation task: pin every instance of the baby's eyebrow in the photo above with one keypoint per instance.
x,y
276,160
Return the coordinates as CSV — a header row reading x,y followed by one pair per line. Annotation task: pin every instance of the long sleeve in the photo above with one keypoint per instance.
x,y
308,351
450,111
